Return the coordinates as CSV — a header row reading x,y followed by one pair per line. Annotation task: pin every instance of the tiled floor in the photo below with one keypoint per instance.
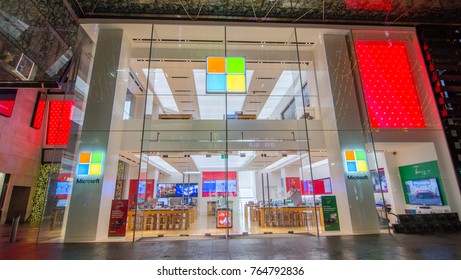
x,y
446,246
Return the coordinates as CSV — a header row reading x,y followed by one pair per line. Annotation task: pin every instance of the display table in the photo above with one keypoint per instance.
x,y
155,214
288,216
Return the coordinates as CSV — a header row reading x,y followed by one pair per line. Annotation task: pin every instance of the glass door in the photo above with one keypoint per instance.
x,y
184,132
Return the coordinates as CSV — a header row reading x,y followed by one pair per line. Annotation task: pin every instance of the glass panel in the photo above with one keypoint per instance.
x,y
26,31
315,170
184,138
64,125
265,128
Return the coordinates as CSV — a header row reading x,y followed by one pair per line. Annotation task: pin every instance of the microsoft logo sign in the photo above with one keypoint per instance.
x,y
356,161
90,163
225,74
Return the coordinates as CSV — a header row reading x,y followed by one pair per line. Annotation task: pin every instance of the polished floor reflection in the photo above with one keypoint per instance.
x,y
258,247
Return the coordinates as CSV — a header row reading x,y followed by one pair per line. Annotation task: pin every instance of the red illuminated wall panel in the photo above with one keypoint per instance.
x,y
6,107
387,80
59,122
39,112
219,175
370,5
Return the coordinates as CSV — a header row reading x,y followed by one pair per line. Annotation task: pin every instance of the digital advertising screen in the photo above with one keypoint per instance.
x,y
215,184
320,186
379,180
423,192
177,189
63,189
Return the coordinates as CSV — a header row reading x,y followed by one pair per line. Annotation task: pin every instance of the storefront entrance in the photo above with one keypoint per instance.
x,y
216,131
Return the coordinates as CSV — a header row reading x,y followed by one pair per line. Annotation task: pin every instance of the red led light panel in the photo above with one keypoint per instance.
x,y
59,122
6,107
38,118
390,92
370,5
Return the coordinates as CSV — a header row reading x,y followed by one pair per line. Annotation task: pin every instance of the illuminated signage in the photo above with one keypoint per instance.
x,y
356,161
90,163
225,74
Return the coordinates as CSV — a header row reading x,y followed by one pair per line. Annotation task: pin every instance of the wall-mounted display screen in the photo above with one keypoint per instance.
x,y
7,99
423,192
63,189
177,189
215,184
320,186
379,180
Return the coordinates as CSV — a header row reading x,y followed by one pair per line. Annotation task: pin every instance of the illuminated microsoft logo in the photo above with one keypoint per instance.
x,y
89,163
225,74
356,161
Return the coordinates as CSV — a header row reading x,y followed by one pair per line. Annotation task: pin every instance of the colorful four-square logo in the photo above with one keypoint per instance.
x,y
89,163
356,161
225,74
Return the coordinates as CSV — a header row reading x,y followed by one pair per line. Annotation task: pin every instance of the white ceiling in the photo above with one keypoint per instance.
x,y
176,79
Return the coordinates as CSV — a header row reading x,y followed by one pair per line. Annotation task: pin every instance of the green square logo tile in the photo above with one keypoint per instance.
x,y
235,65
96,157
360,155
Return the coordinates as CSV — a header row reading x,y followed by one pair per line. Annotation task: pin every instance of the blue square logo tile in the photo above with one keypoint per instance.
x,y
351,166
216,83
83,169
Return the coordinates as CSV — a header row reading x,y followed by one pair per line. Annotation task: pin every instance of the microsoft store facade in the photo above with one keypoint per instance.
x,y
215,131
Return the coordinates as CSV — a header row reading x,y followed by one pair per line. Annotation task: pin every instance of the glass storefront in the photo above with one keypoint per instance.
x,y
216,131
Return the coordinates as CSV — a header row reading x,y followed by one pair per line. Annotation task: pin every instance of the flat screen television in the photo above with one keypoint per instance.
x,y
379,180
423,192
190,190
320,186
215,184
177,189
63,189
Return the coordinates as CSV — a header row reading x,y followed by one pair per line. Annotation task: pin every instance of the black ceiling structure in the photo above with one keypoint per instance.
x,y
385,12
45,31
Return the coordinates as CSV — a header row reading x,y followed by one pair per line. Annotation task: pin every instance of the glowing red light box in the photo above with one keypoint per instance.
x,y
59,122
370,5
390,92
39,111
7,99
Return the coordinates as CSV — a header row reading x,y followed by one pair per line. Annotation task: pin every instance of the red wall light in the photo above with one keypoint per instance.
x,y
390,93
59,122
7,99
6,107
39,111
38,118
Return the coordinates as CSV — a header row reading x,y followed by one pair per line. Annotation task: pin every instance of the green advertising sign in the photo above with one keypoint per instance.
x,y
330,213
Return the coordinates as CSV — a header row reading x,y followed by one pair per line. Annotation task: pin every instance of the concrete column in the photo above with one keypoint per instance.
x,y
89,208
354,191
